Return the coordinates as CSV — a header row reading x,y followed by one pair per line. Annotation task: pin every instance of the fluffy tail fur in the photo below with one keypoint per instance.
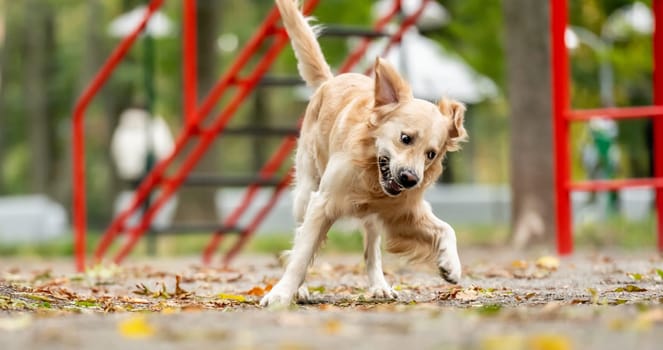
x,y
311,62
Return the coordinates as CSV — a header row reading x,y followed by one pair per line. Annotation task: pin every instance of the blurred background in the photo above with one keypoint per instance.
x,y
473,50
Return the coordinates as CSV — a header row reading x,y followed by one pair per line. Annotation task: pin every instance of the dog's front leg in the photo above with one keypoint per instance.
x,y
378,286
423,236
307,240
448,261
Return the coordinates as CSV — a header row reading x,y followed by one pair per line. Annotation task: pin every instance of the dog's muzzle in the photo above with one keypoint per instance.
x,y
389,184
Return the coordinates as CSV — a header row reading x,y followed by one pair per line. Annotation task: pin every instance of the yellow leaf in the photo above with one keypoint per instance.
x,y
519,264
233,297
332,327
548,262
502,342
135,327
548,342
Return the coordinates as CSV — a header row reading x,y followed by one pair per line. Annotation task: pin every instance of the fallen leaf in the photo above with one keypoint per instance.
x,y
548,262
468,294
548,342
332,326
256,291
233,297
635,276
660,273
135,327
502,342
519,264
595,295
319,289
179,292
630,289
142,289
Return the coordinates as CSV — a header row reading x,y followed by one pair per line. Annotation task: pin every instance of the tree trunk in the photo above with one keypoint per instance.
x,y
197,204
38,43
528,82
4,67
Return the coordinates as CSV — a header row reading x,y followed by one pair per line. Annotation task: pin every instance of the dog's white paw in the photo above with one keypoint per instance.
x,y
303,294
383,292
277,297
449,267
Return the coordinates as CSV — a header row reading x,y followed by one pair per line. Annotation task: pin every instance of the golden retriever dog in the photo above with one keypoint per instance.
x,y
368,149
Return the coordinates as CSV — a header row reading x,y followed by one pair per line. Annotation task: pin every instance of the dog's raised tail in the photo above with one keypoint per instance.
x,y
311,62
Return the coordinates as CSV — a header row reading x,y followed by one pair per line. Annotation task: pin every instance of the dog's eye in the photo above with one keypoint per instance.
x,y
406,139
431,155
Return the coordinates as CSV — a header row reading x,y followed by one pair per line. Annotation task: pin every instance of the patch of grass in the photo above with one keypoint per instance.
x,y
616,231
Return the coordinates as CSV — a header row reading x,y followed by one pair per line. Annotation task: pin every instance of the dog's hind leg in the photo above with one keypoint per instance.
x,y
378,286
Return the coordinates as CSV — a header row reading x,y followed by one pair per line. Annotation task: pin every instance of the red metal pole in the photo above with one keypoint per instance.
x,y
189,48
79,205
561,104
658,122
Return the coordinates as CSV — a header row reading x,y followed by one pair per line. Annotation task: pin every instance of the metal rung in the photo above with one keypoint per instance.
x,y
197,227
616,113
269,80
229,181
345,31
607,185
280,131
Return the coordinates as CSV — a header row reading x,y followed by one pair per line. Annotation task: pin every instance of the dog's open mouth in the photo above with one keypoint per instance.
x,y
387,180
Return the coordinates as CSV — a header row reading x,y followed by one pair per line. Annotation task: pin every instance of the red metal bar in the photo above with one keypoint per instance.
x,y
350,62
561,104
204,141
359,52
608,185
189,48
615,113
657,122
79,207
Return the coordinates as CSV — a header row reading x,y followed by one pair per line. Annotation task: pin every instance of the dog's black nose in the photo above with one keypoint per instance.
x,y
407,178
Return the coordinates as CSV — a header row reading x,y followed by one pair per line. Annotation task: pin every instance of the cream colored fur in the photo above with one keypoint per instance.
x,y
353,123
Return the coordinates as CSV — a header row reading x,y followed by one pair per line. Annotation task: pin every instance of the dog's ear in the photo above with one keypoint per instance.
x,y
389,86
456,111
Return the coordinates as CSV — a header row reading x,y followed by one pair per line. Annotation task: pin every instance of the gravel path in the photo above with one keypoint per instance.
x,y
506,300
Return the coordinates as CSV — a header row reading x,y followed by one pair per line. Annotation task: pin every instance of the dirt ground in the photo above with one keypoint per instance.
x,y
506,300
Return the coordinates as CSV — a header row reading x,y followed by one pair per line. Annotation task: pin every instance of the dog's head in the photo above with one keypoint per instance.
x,y
411,135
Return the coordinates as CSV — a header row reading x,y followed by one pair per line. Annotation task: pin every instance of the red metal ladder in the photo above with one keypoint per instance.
x,y
564,115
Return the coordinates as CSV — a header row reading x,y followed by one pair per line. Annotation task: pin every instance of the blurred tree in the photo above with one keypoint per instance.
x,y
3,73
39,43
529,94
